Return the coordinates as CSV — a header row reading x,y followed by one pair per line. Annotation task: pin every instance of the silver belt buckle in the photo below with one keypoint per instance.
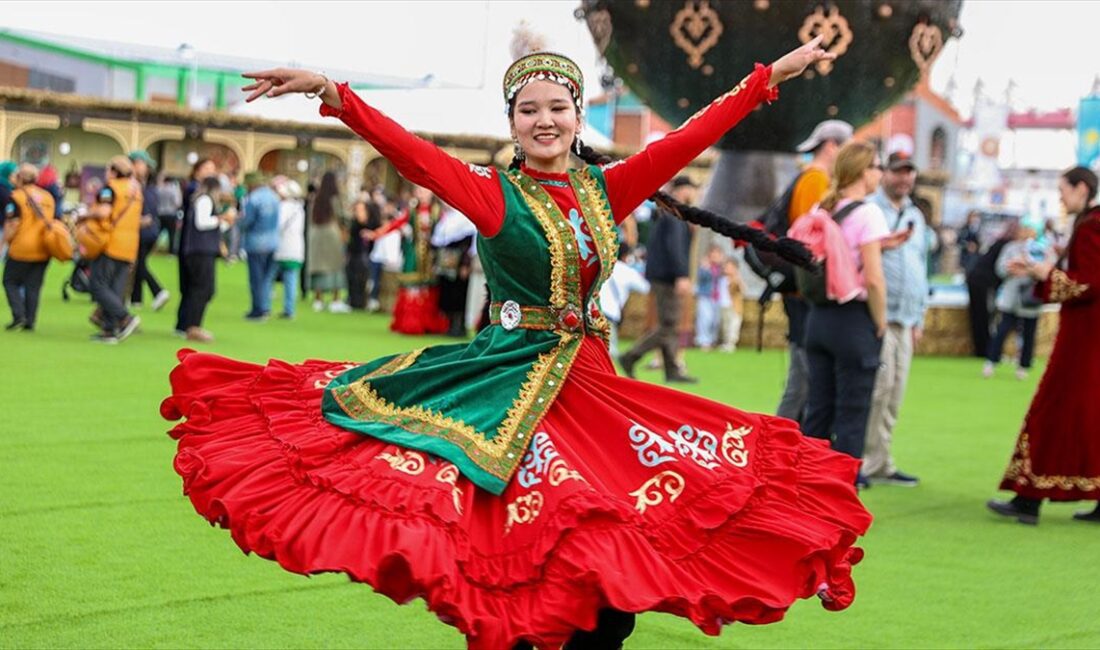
x,y
510,315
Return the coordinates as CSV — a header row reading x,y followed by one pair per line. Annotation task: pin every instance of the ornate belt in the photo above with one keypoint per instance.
x,y
511,315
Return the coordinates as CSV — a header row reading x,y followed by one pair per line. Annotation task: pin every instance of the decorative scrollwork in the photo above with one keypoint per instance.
x,y
834,27
698,445
925,44
643,440
733,445
653,491
560,473
523,510
449,474
409,462
696,29
537,460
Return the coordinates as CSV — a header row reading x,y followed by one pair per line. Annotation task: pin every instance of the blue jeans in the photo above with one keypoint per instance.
x,y
261,277
707,321
289,275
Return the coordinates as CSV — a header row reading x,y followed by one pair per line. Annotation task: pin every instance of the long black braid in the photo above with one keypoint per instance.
x,y
789,249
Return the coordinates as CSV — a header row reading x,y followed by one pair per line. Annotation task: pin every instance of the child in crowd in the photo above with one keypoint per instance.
x,y
712,296
731,314
1018,307
292,240
624,280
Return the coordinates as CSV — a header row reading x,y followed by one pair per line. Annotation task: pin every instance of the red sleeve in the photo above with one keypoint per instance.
x,y
1081,282
471,189
394,224
633,180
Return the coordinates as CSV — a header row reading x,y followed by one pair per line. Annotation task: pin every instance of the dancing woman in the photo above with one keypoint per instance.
x,y
519,486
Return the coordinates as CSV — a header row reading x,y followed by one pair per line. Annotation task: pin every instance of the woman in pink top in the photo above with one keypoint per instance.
x,y
843,340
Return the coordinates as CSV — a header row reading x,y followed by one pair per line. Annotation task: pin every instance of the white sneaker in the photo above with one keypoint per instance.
x,y
339,307
1021,373
161,299
987,369
373,305
318,305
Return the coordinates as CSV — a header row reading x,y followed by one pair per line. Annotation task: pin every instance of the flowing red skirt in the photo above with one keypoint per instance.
x,y
417,311
632,496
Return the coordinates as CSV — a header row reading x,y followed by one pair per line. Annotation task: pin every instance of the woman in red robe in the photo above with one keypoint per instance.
x,y
1057,454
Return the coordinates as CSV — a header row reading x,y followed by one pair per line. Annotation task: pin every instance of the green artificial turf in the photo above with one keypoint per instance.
x,y
99,548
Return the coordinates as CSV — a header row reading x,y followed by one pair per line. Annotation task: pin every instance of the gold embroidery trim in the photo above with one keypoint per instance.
x,y
1020,472
546,376
1063,287
597,213
544,379
541,205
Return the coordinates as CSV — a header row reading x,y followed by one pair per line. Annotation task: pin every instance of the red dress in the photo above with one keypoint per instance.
x,y
1057,453
630,496
416,310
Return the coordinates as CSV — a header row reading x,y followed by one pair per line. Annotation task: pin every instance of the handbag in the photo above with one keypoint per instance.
x,y
55,236
93,235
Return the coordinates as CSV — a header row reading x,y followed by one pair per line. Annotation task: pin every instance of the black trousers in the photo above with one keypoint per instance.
x,y
842,352
196,289
171,223
142,274
1010,323
23,286
108,288
358,272
612,628
980,307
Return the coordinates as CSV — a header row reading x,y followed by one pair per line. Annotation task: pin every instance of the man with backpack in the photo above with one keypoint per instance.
x,y
25,221
118,209
805,192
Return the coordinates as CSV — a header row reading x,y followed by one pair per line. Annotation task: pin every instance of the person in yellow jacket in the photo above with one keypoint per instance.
x,y
25,219
118,206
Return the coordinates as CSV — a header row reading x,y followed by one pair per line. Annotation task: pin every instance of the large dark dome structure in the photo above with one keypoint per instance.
x,y
678,55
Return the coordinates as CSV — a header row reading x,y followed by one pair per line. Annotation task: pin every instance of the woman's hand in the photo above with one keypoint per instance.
x,y
793,63
282,81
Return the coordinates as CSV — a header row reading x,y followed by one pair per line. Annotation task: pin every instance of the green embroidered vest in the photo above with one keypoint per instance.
x,y
478,405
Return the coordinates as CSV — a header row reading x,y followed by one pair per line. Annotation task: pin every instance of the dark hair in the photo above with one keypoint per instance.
x,y
322,203
787,248
1079,175
198,163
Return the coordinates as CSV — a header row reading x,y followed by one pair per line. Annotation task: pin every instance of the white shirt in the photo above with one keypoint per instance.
x,y
292,231
205,219
615,292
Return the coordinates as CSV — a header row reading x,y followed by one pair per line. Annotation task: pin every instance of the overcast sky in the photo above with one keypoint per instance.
x,y
1046,46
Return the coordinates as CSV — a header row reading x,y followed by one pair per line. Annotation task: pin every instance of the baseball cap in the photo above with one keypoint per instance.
x,y
837,130
143,156
900,160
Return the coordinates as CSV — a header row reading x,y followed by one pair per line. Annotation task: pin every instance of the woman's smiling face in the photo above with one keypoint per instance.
x,y
545,123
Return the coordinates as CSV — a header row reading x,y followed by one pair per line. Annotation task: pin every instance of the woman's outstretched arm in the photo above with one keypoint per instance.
x,y
472,190
638,177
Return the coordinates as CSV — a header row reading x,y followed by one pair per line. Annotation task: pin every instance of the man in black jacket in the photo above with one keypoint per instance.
x,y
668,269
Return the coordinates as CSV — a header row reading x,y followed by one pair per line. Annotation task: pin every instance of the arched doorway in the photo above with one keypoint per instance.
x,y
175,157
303,165
79,157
